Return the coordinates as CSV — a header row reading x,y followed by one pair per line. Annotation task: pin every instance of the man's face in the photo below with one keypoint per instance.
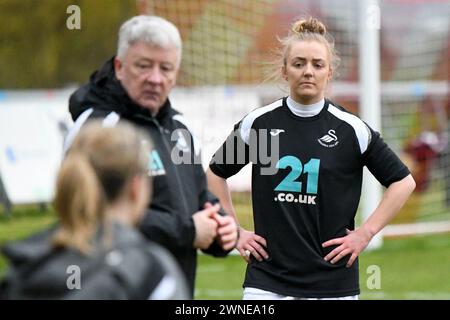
x,y
148,73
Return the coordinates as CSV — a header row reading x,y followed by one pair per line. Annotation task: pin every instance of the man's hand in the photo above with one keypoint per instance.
x,y
251,244
205,226
227,231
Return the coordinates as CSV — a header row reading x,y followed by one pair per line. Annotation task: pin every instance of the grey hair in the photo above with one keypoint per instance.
x,y
149,29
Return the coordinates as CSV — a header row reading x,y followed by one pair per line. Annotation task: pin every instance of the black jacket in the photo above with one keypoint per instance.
x,y
179,190
132,268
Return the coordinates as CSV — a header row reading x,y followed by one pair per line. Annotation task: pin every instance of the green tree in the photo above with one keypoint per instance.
x,y
37,50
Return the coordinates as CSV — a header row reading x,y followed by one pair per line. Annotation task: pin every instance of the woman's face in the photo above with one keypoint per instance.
x,y
307,71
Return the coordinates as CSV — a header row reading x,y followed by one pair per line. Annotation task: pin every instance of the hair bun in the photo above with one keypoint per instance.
x,y
311,25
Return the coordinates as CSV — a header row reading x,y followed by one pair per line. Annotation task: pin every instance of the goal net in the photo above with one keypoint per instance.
x,y
226,44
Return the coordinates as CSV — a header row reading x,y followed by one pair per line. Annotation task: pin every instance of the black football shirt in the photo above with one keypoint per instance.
x,y
306,186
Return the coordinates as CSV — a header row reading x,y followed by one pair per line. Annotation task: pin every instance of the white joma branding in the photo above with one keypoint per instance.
x,y
275,132
301,198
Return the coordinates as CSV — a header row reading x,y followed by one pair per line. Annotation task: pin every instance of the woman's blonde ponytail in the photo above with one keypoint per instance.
x,y
79,200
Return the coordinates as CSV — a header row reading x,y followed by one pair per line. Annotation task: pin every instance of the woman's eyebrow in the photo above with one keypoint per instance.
x,y
304,59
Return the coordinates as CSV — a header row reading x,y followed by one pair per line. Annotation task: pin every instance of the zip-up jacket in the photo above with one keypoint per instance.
x,y
179,187
131,268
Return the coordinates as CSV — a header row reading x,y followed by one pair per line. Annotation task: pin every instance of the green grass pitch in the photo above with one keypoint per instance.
x,y
410,268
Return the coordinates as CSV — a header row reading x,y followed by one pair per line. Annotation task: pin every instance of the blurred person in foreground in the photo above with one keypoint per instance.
x,y
305,245
134,86
95,250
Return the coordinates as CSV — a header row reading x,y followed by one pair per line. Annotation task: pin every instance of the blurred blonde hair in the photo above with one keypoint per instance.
x,y
92,176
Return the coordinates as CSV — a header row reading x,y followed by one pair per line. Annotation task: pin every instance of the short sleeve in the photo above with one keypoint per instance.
x,y
382,162
232,155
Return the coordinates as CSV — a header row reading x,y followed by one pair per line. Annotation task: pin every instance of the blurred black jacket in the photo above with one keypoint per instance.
x,y
131,268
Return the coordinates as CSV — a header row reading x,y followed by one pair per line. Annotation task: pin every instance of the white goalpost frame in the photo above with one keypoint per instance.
x,y
370,105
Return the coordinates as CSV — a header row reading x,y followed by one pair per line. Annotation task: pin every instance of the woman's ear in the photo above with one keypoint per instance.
x,y
133,188
284,73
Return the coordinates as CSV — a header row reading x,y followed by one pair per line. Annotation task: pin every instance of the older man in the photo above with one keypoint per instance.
x,y
134,86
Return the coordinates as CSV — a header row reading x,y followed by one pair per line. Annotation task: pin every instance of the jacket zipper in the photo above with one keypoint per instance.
x,y
177,176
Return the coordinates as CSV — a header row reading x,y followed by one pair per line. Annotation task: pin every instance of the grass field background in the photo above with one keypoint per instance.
x,y
411,268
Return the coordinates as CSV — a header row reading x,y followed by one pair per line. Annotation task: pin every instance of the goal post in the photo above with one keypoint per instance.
x,y
370,101
394,74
